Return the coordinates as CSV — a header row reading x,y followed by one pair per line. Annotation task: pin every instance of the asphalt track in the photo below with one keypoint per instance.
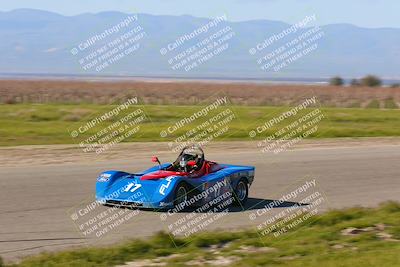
x,y
36,199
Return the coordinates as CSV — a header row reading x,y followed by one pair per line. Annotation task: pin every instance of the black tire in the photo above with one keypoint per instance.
x,y
181,194
241,193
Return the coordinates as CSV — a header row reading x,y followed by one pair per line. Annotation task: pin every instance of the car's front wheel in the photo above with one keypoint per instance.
x,y
241,193
181,196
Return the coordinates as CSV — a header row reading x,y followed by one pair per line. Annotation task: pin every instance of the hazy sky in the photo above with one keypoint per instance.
x,y
366,13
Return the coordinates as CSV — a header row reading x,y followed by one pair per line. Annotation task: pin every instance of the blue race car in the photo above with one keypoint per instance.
x,y
188,182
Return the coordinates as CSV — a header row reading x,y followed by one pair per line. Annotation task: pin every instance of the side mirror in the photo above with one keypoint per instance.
x,y
155,159
191,163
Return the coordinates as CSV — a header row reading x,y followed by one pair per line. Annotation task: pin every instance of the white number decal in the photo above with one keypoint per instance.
x,y
135,187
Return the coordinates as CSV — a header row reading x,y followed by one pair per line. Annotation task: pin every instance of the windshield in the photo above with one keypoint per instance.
x,y
189,153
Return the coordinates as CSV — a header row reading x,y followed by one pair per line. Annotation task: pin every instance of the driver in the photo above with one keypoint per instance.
x,y
183,163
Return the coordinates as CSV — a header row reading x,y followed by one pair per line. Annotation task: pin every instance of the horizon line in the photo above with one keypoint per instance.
x,y
188,15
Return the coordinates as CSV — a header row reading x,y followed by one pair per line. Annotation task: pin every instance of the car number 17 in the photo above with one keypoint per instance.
x,y
132,187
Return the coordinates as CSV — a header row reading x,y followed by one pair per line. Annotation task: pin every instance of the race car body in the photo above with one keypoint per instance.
x,y
189,181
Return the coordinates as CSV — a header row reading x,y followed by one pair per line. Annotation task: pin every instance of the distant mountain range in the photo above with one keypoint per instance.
x,y
35,41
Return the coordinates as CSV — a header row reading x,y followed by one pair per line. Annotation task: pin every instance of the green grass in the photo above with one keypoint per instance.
x,y
310,245
32,124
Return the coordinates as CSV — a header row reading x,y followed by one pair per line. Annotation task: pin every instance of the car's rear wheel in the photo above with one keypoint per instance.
x,y
241,193
181,195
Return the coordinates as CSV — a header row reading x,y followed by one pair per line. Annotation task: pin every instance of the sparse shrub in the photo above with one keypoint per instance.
x,y
354,105
390,103
355,82
336,81
395,85
10,101
371,81
373,104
